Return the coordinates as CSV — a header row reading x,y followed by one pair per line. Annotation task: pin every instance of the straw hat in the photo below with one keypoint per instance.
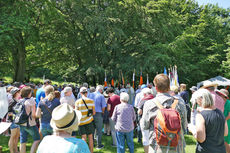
x,y
222,93
207,84
65,117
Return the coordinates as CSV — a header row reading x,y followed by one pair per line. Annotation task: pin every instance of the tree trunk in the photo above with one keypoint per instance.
x,y
19,56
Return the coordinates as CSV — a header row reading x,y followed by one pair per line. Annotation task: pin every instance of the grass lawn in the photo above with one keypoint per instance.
x,y
106,140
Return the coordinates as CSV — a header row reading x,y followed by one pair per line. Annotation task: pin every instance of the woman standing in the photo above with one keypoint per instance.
x,y
14,128
124,117
45,108
210,126
64,121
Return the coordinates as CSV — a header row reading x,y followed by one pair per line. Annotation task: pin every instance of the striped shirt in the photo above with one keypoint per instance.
x,y
79,105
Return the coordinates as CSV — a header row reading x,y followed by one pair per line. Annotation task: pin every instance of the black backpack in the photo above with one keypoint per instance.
x,y
21,116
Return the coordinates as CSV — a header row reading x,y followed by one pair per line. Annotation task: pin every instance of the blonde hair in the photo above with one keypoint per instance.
x,y
207,100
49,91
182,87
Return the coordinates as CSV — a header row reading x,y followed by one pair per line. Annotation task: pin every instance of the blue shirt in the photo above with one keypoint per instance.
x,y
46,115
40,93
56,144
99,101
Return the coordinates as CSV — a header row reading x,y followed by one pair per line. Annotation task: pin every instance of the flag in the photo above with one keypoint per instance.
x,y
105,82
133,79
176,77
147,82
141,79
122,77
165,71
112,82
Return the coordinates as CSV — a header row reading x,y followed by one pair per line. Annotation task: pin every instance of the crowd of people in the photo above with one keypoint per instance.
x,y
158,115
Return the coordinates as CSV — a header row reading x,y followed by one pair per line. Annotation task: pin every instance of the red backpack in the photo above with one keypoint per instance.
x,y
167,125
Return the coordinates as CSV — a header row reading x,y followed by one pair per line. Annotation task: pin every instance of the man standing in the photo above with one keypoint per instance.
x,y
162,85
112,102
100,104
40,94
219,102
87,108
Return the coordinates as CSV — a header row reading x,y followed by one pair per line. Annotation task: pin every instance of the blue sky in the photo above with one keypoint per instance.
x,y
221,3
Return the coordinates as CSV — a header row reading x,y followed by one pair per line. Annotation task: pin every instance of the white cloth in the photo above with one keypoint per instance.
x,y
138,98
4,126
145,136
3,102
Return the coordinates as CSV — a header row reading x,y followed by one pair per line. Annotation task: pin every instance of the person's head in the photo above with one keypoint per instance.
x,y
174,90
68,91
223,93
139,86
150,85
110,91
26,92
85,85
124,97
204,99
92,89
193,89
211,86
9,89
147,91
162,83
99,89
65,118
47,82
15,92
49,92
182,87
83,91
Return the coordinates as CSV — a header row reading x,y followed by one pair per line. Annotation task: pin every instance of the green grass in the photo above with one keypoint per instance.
x,y
106,140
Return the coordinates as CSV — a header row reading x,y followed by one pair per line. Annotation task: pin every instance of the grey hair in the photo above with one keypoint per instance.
x,y
99,87
147,91
124,97
207,100
85,85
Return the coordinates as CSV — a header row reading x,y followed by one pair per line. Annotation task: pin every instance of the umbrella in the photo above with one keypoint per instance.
x,y
3,102
221,81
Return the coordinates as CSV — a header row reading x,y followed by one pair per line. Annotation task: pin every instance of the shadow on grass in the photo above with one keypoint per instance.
x,y
106,141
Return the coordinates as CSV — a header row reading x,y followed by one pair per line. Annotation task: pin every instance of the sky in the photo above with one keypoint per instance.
x,y
221,3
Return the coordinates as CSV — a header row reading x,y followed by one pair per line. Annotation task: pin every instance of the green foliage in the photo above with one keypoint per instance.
x,y
80,40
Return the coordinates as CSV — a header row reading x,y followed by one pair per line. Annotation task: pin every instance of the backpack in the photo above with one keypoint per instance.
x,y
21,116
167,125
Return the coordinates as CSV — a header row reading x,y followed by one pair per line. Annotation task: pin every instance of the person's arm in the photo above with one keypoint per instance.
x,y
103,103
114,116
200,134
94,111
145,122
226,129
139,111
38,112
227,117
34,111
134,114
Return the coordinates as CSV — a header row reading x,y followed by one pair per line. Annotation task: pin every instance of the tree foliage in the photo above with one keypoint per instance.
x,y
80,40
